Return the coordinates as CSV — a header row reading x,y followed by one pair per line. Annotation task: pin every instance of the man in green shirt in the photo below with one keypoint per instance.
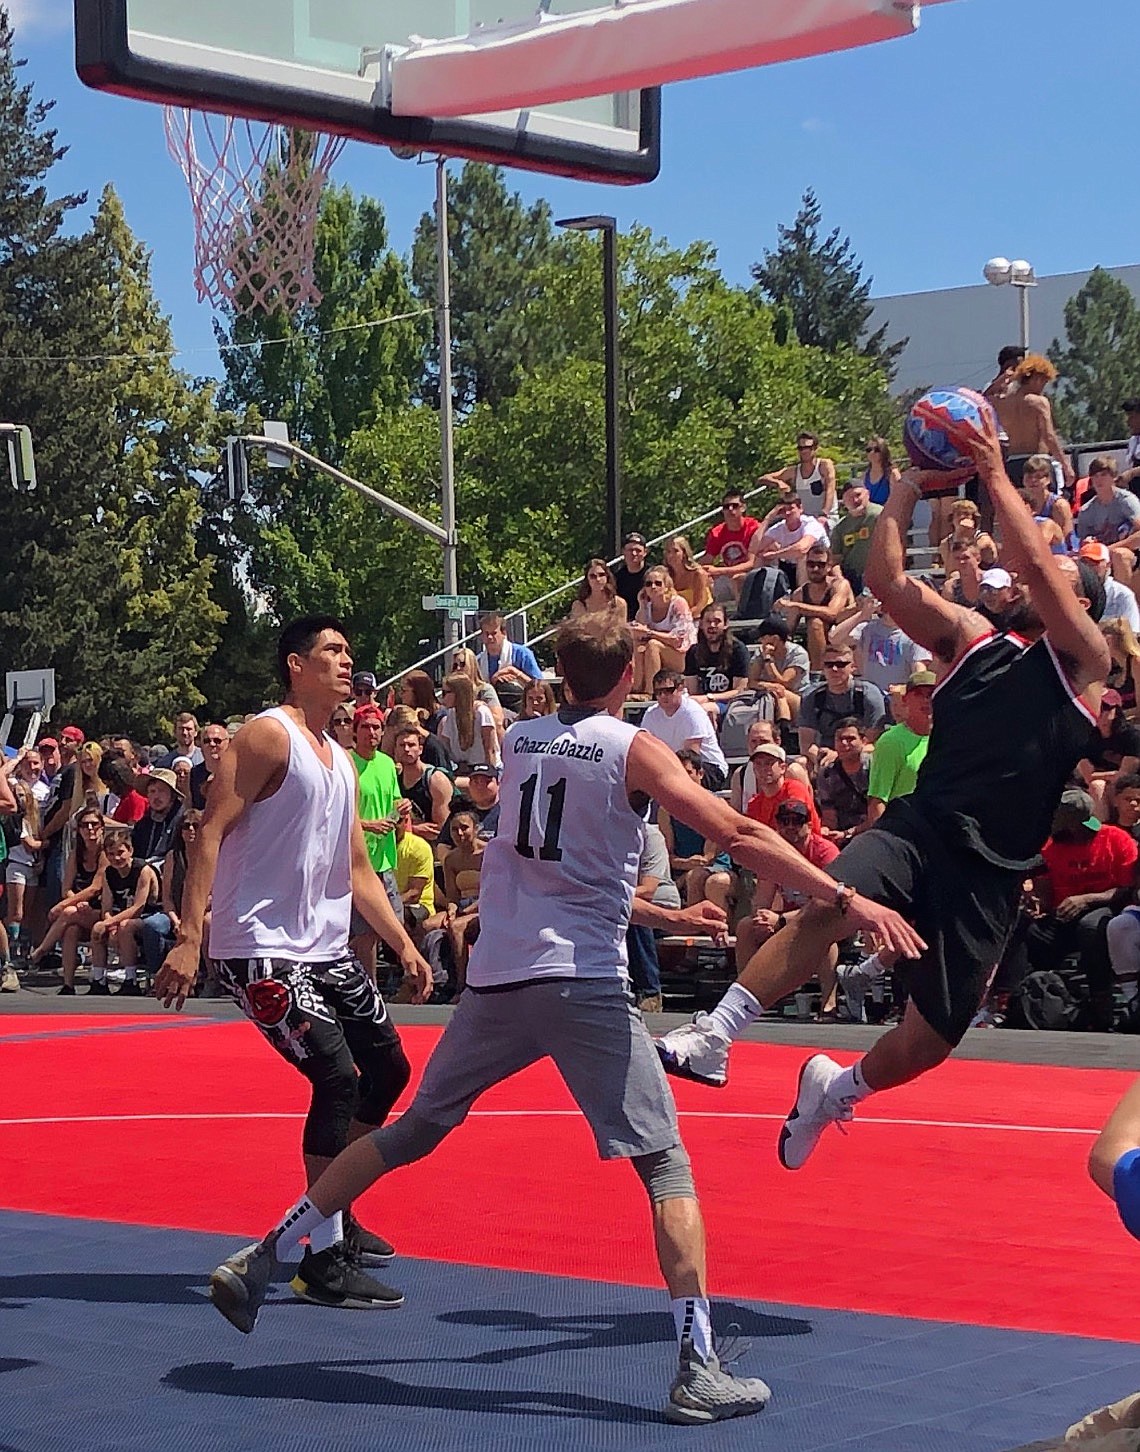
x,y
851,537
378,791
900,751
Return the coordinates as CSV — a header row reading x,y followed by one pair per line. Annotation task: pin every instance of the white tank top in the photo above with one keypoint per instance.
x,y
810,488
559,876
283,885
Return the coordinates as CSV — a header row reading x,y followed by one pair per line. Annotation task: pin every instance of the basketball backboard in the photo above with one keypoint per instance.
x,y
317,64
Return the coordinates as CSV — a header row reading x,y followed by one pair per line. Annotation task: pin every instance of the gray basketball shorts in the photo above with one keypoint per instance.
x,y
597,1040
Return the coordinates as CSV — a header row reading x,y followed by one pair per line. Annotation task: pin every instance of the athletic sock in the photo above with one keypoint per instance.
x,y
13,937
692,1319
302,1219
850,1087
1126,1190
735,1011
328,1233
130,972
98,973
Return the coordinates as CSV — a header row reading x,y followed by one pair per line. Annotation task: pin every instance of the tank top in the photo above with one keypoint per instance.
x,y
879,489
123,885
810,488
283,885
558,879
1045,516
82,878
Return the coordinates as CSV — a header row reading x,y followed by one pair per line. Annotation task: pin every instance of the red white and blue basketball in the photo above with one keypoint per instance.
x,y
942,424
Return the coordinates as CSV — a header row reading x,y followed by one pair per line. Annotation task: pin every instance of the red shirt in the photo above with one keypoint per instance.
x,y
1103,861
763,809
730,546
131,808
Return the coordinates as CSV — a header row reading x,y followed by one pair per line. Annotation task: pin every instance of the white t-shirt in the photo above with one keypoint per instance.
x,y
1120,604
783,538
687,722
473,755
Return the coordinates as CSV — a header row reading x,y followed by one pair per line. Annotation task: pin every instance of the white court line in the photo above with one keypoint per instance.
x,y
964,1124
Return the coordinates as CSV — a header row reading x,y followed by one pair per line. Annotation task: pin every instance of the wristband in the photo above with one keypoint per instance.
x,y
844,896
781,922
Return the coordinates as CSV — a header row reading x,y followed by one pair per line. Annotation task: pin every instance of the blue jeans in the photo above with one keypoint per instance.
x,y
156,932
644,969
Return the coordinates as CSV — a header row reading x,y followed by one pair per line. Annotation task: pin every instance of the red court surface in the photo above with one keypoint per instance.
x,y
960,1198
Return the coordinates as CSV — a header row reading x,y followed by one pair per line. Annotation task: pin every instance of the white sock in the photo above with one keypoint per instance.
x,y
691,1318
329,1232
850,1087
735,1011
303,1219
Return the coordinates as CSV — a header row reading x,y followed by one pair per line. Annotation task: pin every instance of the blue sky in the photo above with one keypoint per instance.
x,y
999,129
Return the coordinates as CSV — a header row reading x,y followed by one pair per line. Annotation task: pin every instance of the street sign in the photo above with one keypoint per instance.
x,y
450,603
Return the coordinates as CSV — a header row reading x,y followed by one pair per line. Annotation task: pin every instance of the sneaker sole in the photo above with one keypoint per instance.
x,y
230,1296
677,1070
316,1297
786,1133
695,1416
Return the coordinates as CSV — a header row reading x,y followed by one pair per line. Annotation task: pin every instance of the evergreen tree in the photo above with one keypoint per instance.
x,y
820,284
1099,362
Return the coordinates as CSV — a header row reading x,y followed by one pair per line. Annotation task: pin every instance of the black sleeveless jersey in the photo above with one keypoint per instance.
x,y
124,885
1008,731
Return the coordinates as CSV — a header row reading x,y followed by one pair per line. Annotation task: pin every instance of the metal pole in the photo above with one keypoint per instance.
x,y
613,466
446,402
1024,304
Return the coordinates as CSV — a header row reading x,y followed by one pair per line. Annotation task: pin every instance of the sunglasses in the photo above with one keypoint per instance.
x,y
736,504
665,691
214,740
655,584
817,564
835,665
784,819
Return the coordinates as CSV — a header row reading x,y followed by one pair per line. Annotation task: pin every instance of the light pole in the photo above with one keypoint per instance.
x,y
999,270
607,226
446,401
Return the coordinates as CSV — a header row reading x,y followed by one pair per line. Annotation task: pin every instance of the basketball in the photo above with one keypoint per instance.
x,y
941,425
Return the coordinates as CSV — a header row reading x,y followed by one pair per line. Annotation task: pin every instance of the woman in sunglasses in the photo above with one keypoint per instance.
x,y
663,631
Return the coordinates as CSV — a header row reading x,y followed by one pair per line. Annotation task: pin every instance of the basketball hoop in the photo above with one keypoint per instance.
x,y
255,191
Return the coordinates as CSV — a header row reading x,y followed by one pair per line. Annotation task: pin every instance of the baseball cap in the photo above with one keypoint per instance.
x,y
485,769
367,713
996,579
917,679
48,741
633,538
793,808
72,733
1095,552
1075,809
166,776
364,678
769,748
1111,698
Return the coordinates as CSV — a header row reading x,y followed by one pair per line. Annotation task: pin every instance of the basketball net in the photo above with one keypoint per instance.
x,y
255,191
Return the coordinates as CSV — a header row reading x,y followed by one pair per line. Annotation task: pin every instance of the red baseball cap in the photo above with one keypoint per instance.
x,y
47,741
72,733
1111,698
368,713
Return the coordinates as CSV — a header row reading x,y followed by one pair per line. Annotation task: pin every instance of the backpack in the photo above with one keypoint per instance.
x,y
741,713
1043,1002
761,589
830,716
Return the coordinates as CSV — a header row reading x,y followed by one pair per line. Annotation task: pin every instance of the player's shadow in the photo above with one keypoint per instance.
x,y
347,1383
100,1288
15,1363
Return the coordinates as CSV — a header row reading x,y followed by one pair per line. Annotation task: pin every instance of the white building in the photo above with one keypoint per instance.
x,y
955,334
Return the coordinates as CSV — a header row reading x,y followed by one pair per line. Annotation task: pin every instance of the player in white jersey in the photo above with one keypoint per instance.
x,y
547,978
282,850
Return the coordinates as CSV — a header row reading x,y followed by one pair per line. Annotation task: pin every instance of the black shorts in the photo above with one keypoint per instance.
x,y
962,906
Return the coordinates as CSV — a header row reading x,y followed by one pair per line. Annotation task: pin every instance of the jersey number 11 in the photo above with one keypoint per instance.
x,y
550,850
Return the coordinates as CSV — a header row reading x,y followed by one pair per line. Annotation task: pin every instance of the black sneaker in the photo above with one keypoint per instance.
x,y
330,1278
66,991
130,989
364,1246
99,988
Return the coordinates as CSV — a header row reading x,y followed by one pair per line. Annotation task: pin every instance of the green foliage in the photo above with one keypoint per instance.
x,y
1099,363
820,284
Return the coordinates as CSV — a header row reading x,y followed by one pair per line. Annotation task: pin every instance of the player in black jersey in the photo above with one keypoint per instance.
x,y
1012,717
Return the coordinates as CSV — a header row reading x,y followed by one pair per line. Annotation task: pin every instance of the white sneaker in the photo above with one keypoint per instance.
x,y
706,1391
812,1112
9,983
696,1051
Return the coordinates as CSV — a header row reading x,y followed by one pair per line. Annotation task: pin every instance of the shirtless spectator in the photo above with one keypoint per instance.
x,y
901,750
742,788
780,669
1027,418
1119,600
811,478
837,696
427,790
842,789
851,537
884,653
786,536
702,872
1003,380
822,601
1112,516
716,668
725,555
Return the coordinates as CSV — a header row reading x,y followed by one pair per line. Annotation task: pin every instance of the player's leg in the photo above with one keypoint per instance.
x,y
602,1050
1114,1161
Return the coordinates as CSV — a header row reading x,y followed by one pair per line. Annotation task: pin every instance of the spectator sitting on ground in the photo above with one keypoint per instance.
x,y
465,663
822,602
340,726
630,574
1113,751
690,580
130,890
538,700
901,750
428,790
123,782
481,799
836,697
702,872
811,479
1126,804
215,744
880,475
884,654
597,594
780,669
154,835
1112,516
965,581
417,689
1123,647
1049,505
742,787
662,632
843,786
468,730
461,872
1089,873
433,748
726,545
774,906
681,724
71,919
1119,600
965,528
716,667
508,667
851,537
786,536
774,787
